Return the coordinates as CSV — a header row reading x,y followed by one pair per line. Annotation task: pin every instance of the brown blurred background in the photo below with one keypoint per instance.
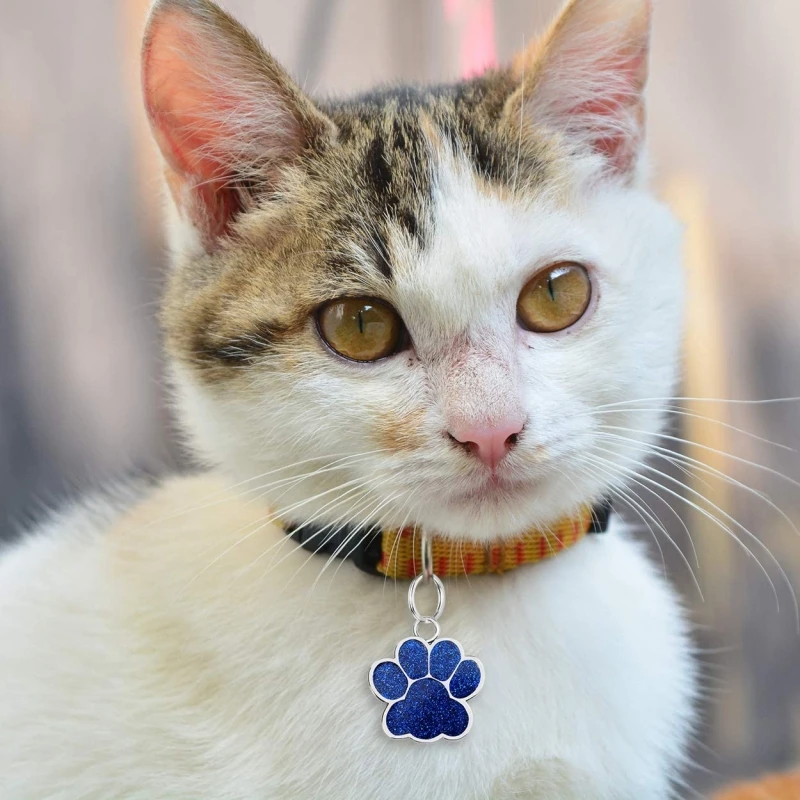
x,y
81,261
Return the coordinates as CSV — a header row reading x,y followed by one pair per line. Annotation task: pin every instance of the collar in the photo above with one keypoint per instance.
x,y
395,553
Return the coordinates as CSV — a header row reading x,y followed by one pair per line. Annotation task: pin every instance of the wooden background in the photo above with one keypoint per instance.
x,y
81,261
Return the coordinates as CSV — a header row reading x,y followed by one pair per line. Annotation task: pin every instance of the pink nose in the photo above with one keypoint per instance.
x,y
491,443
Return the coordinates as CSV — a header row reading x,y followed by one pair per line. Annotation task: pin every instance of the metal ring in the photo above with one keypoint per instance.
x,y
427,556
412,598
427,621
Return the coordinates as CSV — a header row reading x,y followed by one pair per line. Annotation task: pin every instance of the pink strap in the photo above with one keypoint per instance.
x,y
475,20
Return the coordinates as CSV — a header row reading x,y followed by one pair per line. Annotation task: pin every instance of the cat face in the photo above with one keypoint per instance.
x,y
419,306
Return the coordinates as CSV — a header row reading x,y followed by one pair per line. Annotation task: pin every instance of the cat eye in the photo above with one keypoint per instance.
x,y
555,298
361,329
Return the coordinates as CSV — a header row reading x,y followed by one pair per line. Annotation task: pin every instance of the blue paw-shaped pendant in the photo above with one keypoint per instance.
x,y
426,687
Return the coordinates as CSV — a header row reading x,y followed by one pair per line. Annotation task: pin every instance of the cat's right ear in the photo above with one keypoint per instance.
x,y
226,116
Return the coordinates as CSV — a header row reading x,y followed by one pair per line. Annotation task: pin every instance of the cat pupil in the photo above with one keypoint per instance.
x,y
361,321
550,288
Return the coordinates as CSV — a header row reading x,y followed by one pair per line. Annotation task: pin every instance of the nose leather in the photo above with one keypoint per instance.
x,y
491,443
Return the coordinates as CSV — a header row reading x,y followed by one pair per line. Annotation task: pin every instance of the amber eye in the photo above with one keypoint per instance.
x,y
361,329
555,298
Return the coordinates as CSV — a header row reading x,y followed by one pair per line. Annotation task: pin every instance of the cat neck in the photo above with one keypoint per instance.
x,y
394,553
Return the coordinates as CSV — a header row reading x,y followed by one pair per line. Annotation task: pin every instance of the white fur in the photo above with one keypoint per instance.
x,y
182,647
187,652
145,661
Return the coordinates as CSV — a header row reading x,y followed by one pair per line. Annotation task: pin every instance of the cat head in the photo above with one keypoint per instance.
x,y
424,306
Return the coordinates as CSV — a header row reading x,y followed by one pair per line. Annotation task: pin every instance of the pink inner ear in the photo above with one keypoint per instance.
x,y
590,77
620,147
184,108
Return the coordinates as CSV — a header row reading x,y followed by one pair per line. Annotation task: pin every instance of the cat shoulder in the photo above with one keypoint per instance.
x,y
124,517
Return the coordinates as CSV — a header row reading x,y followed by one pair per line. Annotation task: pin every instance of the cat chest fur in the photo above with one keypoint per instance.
x,y
257,688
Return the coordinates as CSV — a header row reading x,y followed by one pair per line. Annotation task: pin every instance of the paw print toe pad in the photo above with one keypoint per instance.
x,y
445,656
389,681
466,680
413,658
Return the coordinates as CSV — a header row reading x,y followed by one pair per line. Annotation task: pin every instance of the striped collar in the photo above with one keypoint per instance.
x,y
395,553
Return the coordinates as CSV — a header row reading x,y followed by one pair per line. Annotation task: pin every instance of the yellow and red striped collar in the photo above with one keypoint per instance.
x,y
400,550
396,553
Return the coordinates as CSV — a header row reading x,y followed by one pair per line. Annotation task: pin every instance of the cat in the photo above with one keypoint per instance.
x,y
409,310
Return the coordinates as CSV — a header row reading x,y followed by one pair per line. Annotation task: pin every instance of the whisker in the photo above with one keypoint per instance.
x,y
628,500
676,458
521,120
680,412
324,531
343,523
232,487
341,548
709,449
365,533
721,401
661,526
397,539
724,514
269,520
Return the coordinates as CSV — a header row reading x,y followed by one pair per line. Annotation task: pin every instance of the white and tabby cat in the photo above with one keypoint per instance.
x,y
406,309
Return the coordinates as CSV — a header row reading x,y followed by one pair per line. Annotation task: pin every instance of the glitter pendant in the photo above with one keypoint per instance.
x,y
427,686
428,682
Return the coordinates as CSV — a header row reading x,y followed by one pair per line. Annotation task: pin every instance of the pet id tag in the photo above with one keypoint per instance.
x,y
427,684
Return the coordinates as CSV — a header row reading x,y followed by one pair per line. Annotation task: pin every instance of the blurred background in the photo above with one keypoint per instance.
x,y
82,260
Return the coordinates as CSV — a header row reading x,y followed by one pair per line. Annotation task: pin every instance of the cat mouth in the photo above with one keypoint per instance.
x,y
496,488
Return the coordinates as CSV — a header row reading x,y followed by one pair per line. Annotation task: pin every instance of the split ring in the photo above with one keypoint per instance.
x,y
412,599
428,621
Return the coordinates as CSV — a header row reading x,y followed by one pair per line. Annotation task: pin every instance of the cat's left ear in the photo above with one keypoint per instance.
x,y
586,78
226,116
